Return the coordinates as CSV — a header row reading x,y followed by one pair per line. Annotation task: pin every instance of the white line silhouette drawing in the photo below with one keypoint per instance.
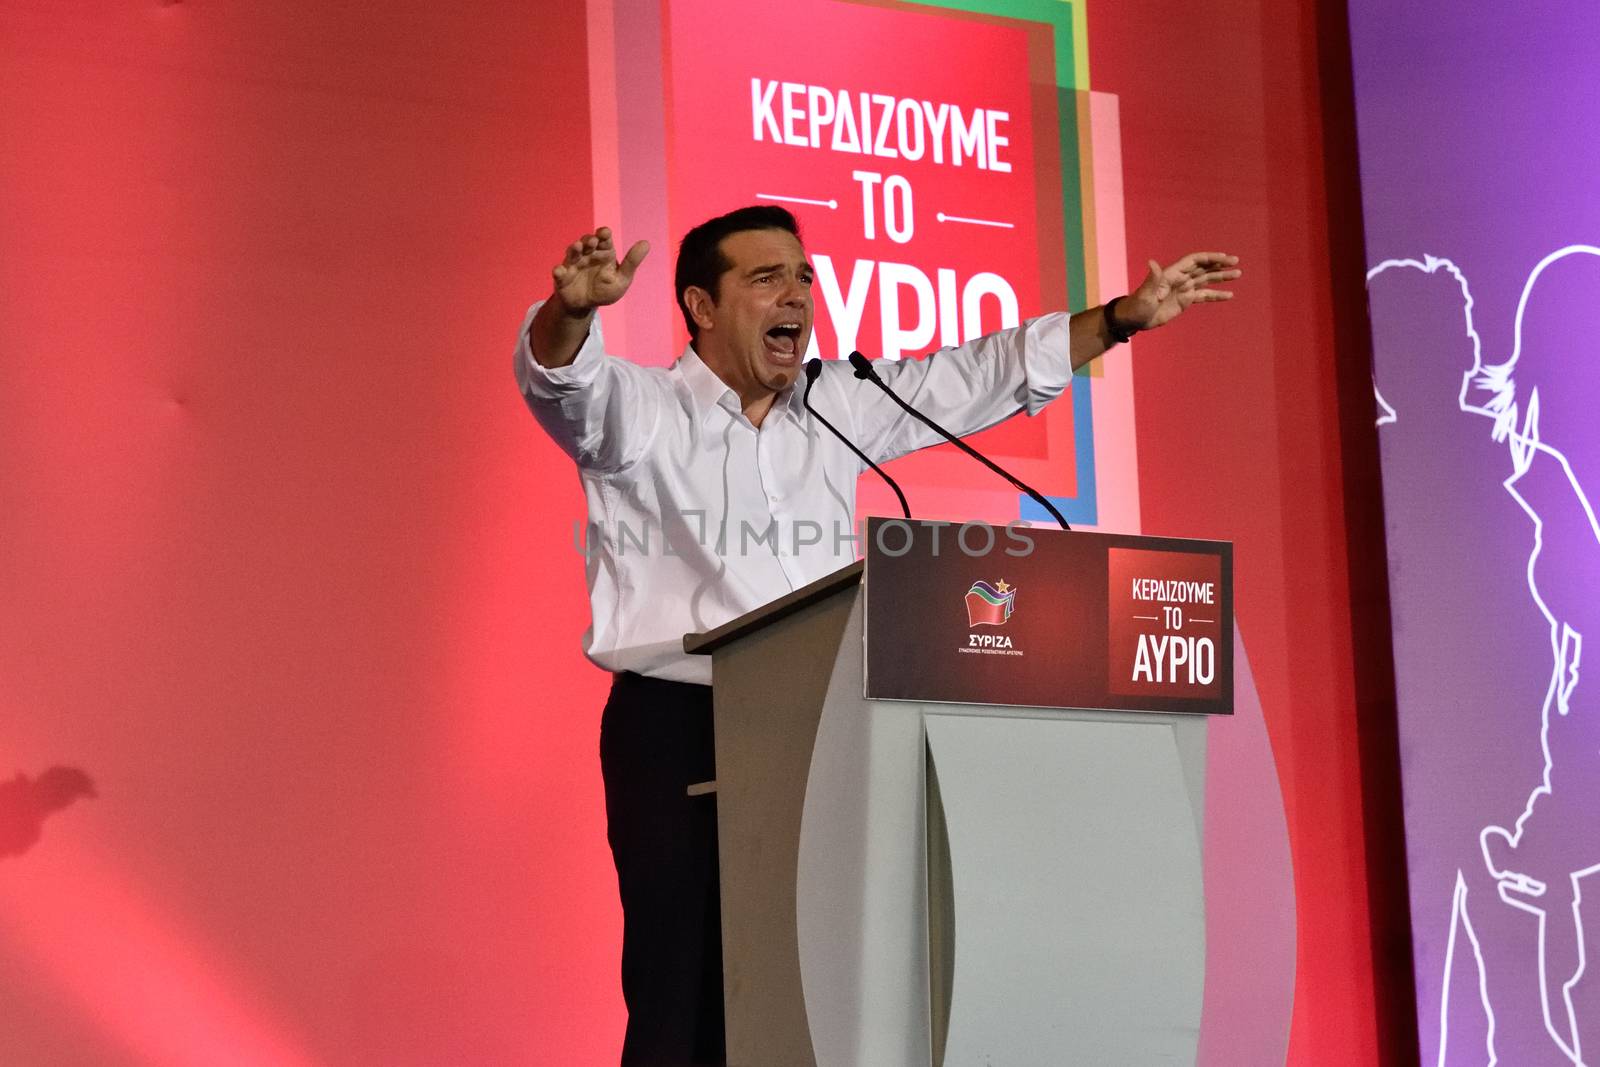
x,y
1386,412
1537,865
1459,920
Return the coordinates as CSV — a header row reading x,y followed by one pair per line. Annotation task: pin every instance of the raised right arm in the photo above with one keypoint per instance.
x,y
590,276
600,409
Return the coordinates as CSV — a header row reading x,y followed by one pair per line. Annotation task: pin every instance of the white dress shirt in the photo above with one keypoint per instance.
x,y
696,516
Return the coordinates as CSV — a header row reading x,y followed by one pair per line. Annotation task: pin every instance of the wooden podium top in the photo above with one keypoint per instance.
x,y
824,587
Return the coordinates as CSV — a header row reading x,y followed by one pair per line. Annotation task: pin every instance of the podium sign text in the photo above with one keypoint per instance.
x,y
1032,617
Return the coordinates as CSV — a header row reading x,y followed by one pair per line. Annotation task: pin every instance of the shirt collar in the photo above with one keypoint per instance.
x,y
709,391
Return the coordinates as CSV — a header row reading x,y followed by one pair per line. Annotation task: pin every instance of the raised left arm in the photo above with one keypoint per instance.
x,y
977,384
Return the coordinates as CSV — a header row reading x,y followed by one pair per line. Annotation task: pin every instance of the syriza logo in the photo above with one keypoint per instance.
x,y
990,605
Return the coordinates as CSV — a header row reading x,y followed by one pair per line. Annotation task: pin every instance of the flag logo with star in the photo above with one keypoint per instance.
x,y
990,605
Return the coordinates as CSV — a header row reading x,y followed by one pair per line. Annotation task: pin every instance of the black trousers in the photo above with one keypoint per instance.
x,y
656,741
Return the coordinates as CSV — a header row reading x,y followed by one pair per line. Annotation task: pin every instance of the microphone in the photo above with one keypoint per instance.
x,y
864,370
814,368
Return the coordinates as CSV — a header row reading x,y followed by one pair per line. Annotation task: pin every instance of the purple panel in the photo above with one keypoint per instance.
x,y
1479,171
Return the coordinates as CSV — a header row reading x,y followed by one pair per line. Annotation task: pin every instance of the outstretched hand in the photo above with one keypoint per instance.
x,y
591,276
1167,291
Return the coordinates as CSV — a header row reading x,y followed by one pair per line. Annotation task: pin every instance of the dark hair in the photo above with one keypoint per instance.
x,y
700,259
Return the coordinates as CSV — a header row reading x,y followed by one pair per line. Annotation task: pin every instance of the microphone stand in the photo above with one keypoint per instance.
x,y
814,368
864,370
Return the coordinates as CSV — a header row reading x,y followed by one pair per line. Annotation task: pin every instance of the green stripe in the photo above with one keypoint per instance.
x,y
1059,16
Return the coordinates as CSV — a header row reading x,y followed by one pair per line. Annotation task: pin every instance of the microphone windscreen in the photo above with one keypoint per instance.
x,y
863,366
813,368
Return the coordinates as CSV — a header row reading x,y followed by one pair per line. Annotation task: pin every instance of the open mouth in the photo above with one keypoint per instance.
x,y
783,342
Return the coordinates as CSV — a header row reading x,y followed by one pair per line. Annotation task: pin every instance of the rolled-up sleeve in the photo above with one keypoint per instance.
x,y
965,389
601,410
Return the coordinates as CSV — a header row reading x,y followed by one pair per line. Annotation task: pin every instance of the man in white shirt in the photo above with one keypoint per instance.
x,y
712,491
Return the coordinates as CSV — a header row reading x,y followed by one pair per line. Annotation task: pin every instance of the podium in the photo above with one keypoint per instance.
x,y
960,797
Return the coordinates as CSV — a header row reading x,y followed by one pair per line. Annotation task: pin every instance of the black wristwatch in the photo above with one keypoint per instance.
x,y
1121,337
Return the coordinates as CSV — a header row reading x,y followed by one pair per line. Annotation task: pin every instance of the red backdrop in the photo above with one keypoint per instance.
x,y
288,570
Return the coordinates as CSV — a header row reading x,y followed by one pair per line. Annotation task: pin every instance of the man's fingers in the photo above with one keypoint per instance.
x,y
1201,281
635,256
1209,296
1218,266
593,252
577,256
1204,261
